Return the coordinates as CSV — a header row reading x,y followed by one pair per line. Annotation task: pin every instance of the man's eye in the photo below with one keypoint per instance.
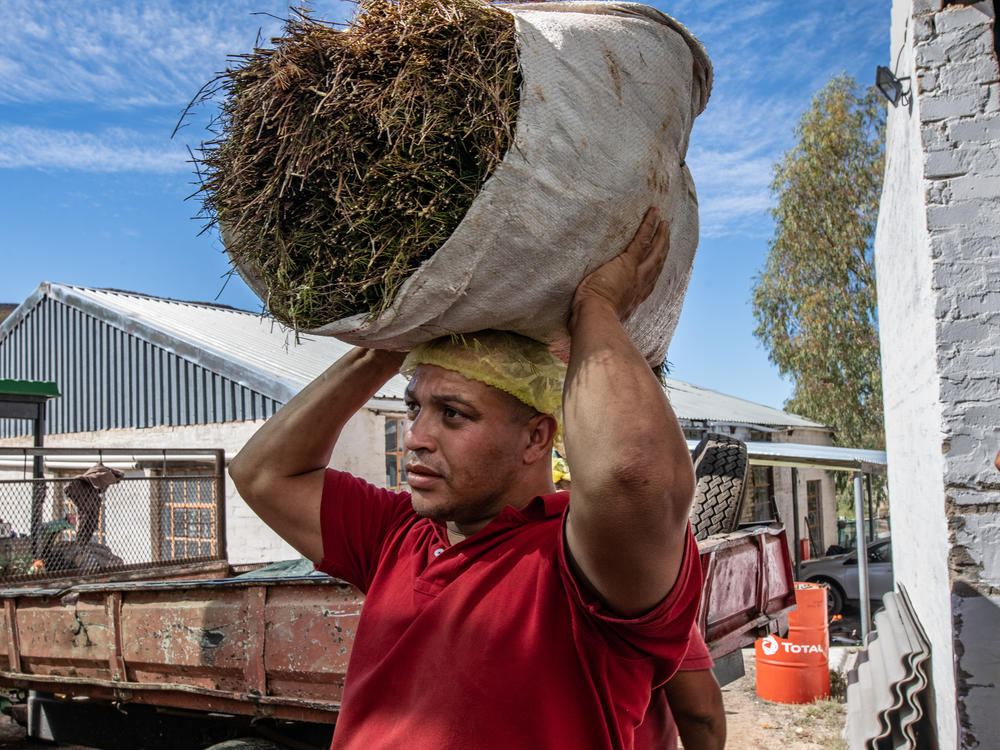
x,y
412,407
452,413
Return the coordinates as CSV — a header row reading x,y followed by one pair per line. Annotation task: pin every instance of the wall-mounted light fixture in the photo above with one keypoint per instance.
x,y
891,87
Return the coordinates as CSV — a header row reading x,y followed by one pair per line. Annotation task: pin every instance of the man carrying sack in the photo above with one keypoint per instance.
x,y
500,613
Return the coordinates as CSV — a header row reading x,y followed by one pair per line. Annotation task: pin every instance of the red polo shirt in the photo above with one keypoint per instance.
x,y
658,730
491,642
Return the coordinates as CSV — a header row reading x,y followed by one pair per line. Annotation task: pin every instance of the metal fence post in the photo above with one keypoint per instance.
x,y
862,550
220,503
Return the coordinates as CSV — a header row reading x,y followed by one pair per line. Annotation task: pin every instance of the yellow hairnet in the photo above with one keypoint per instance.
x,y
520,366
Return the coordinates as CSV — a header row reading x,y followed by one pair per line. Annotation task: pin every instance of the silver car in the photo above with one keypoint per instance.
x,y
840,572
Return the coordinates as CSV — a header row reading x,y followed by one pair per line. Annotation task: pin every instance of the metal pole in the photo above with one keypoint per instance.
x,y
862,550
871,509
795,524
38,487
220,504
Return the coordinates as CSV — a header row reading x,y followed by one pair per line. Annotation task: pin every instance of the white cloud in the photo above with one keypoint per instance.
x,y
734,146
770,58
111,150
122,54
69,71
732,215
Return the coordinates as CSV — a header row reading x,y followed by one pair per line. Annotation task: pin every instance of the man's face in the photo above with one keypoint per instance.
x,y
464,442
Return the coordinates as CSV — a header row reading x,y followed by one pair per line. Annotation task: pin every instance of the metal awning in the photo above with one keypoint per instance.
x,y
26,399
805,456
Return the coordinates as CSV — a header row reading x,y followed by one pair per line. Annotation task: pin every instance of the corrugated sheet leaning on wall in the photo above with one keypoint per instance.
x,y
111,378
886,692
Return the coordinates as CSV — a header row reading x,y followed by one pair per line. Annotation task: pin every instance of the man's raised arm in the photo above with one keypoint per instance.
x,y
279,472
632,475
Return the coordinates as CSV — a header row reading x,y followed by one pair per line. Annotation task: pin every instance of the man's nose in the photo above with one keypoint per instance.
x,y
418,434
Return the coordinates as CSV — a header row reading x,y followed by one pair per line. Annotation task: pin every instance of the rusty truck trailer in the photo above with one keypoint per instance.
x,y
274,651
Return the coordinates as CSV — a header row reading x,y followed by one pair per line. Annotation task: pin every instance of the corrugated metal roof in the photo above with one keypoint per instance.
x,y
884,692
696,403
118,372
248,347
261,354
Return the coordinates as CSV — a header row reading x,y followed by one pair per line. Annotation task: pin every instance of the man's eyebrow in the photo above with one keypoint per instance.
x,y
443,398
454,398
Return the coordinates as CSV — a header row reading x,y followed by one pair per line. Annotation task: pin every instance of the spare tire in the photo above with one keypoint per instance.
x,y
720,468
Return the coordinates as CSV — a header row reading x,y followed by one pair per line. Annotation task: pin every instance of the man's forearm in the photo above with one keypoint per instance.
x,y
696,703
301,436
701,735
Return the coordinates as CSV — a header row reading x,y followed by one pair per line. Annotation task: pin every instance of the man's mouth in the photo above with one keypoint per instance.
x,y
420,476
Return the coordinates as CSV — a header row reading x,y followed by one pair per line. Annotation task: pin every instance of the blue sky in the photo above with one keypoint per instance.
x,y
92,188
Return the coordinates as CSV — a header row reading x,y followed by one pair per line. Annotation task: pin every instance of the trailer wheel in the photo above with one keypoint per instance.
x,y
247,743
720,468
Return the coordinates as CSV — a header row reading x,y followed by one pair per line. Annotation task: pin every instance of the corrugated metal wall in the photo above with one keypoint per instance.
x,y
110,378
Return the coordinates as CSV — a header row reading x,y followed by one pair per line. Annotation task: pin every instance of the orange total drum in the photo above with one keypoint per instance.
x,y
796,669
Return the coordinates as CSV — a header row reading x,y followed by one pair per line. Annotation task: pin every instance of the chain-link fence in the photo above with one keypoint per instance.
x,y
166,510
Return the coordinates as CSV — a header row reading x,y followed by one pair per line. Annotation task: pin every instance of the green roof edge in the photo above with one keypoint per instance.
x,y
45,388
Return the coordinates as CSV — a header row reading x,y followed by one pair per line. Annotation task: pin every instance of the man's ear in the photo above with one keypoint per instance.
x,y
542,429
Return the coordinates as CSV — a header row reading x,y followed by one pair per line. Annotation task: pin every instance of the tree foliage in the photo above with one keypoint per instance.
x,y
814,302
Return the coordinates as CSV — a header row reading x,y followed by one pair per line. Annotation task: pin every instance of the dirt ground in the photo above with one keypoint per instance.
x,y
756,724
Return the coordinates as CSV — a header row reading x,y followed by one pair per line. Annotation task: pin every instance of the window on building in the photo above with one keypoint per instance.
x,y
184,526
759,504
814,517
395,474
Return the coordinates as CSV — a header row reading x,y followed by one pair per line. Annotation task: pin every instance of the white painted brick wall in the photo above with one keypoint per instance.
x,y
960,18
938,265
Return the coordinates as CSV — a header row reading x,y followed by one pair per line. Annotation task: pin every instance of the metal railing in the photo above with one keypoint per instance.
x,y
168,510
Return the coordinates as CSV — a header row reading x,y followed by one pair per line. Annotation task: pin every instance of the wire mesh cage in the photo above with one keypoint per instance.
x,y
166,509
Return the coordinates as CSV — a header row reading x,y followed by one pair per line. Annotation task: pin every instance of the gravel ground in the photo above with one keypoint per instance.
x,y
756,724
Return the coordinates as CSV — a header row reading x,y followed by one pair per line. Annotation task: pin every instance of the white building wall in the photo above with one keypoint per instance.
x,y
938,266
783,488
360,451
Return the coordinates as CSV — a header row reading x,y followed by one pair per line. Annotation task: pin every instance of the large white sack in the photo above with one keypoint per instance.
x,y
609,94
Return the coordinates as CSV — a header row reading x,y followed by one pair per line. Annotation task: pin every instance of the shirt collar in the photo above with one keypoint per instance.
x,y
538,509
546,506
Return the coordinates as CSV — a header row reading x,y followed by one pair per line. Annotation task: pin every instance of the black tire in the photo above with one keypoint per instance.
x,y
247,743
834,595
834,599
720,469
